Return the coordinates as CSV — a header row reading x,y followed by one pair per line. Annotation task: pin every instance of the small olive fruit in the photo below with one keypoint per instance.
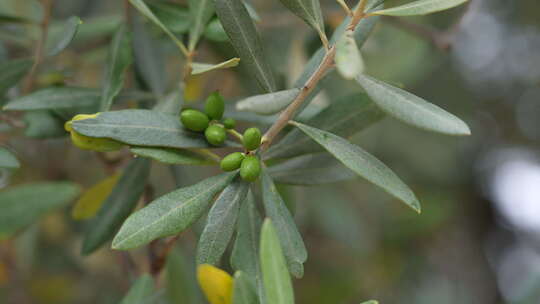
x,y
229,123
215,106
252,139
250,168
194,120
232,161
215,135
91,143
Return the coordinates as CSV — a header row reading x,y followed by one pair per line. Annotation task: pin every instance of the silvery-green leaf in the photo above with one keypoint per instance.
x,y
172,15
276,280
12,72
267,104
363,163
220,223
291,240
119,59
118,205
8,160
243,290
200,12
199,68
370,302
171,213
349,62
244,37
412,109
308,10
55,98
59,41
173,156
420,7
310,169
43,124
22,205
140,291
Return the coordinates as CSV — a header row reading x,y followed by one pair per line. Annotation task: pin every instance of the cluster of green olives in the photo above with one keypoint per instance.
x,y
210,123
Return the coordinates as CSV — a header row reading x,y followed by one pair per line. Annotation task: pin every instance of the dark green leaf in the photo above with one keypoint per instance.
x,y
142,128
140,291
173,156
364,164
118,206
243,290
55,98
181,288
344,117
8,160
412,109
291,240
14,19
12,72
276,279
200,12
244,37
118,61
420,7
308,10
173,16
171,213
59,41
310,169
220,223
22,205
267,104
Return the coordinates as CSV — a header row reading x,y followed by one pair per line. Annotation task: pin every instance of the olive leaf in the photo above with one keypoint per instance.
x,y
220,223
171,213
43,124
267,104
370,302
199,68
93,198
180,271
420,7
12,72
55,98
118,205
60,40
8,160
291,240
200,12
243,290
363,163
22,205
245,39
119,59
173,16
276,279
349,62
173,156
411,109
309,11
140,292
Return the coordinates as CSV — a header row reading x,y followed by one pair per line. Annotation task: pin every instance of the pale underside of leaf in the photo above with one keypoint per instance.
x,y
268,104
420,7
199,68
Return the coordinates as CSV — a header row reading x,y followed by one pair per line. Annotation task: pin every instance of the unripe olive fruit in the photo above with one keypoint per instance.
x,y
215,135
252,139
215,106
229,123
232,161
250,168
194,120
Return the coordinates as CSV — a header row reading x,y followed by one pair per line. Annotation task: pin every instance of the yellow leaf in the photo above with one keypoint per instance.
x,y
92,199
216,284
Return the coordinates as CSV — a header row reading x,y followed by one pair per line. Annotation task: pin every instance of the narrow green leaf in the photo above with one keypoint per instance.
x,y
267,104
180,286
118,61
55,98
12,72
412,109
370,302
199,68
310,169
308,10
215,31
59,41
252,12
141,6
349,62
244,37
276,279
420,7
43,124
170,214
148,58
200,12
172,15
142,128
173,156
140,291
344,117
291,240
220,223
4,18
243,290
172,103
363,163
22,205
8,160
118,206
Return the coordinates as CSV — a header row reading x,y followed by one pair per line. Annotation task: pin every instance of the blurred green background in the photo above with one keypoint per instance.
x,y
478,238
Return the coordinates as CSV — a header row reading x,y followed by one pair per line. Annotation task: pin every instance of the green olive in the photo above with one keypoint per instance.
x,y
232,161
94,143
229,123
194,120
252,139
215,106
250,168
215,135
